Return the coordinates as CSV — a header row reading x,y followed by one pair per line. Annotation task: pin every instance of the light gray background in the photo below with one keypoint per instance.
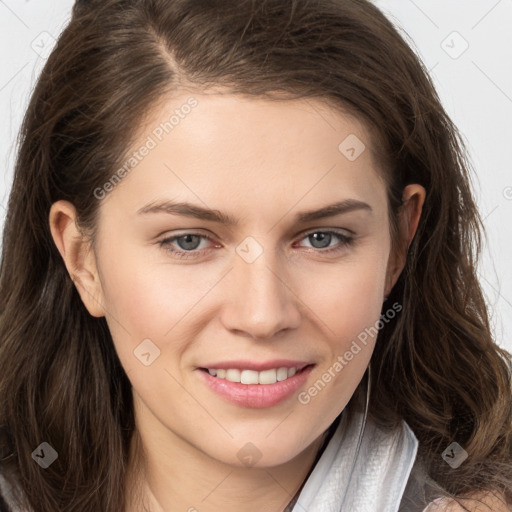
x,y
474,83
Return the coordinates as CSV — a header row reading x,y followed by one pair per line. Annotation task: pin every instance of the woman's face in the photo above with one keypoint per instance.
x,y
253,279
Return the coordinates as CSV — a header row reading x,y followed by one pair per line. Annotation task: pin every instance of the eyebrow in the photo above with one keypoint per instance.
x,y
198,212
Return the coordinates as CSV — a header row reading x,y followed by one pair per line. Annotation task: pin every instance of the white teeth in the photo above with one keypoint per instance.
x,y
233,375
249,377
282,374
253,377
267,377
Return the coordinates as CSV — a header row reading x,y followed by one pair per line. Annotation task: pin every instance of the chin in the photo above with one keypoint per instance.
x,y
260,453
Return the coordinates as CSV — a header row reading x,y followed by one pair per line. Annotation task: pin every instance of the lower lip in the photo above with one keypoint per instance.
x,y
257,396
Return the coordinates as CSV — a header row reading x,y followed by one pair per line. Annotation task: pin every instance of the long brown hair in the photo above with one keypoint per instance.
x,y
435,365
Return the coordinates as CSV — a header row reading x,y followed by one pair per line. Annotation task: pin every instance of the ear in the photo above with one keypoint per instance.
x,y
78,255
413,198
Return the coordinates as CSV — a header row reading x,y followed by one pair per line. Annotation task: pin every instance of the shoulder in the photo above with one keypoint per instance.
x,y
475,502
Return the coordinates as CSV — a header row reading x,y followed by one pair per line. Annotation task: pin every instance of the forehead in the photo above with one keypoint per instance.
x,y
249,150
207,118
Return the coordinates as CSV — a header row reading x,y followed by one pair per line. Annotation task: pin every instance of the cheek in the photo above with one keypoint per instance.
x,y
348,297
153,300
349,312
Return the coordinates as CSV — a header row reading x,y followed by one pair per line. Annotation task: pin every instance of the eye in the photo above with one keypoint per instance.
x,y
187,244
322,240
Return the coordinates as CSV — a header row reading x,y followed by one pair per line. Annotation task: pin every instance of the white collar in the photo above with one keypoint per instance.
x,y
378,480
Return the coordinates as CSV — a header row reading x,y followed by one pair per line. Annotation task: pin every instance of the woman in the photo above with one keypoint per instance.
x,y
239,272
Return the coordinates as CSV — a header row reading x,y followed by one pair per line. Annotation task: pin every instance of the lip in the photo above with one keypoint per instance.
x,y
257,366
256,396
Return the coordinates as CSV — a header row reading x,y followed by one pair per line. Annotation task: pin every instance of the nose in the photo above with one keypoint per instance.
x,y
260,301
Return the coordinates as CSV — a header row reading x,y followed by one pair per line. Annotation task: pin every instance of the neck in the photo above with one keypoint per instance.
x,y
170,475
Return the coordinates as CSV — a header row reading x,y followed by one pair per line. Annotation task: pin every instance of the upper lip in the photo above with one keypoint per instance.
x,y
257,366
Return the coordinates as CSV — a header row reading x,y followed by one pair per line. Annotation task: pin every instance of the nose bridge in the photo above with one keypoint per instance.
x,y
262,302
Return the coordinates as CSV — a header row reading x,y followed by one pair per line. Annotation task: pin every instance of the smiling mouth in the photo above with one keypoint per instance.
x,y
264,377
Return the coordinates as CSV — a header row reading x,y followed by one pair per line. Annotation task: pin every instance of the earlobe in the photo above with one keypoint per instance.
x,y
77,254
413,198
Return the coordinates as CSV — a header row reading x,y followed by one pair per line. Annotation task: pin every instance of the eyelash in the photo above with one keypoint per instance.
x,y
182,254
